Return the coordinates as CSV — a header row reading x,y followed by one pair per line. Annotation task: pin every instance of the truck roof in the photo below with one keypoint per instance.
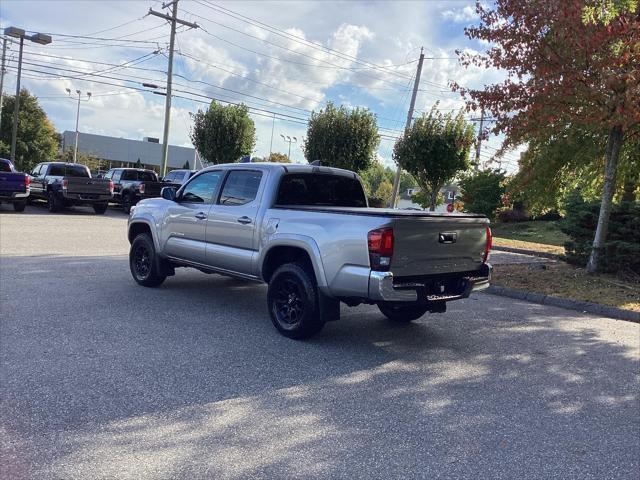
x,y
287,167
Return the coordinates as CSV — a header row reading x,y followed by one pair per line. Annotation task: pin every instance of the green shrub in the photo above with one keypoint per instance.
x,y
482,192
622,248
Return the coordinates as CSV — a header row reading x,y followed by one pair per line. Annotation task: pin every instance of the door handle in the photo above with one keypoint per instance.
x,y
201,216
244,220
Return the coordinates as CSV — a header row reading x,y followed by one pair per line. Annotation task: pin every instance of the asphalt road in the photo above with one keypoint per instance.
x,y
101,378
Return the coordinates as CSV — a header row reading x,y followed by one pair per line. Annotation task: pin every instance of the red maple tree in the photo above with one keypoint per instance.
x,y
563,69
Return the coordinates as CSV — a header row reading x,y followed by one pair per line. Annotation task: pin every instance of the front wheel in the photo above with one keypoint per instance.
x,y
293,302
100,208
402,313
19,206
145,266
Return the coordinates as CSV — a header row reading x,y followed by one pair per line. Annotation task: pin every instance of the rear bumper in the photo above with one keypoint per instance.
x,y
10,197
383,287
89,198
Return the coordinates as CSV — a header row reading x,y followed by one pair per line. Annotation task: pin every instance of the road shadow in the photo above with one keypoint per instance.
x,y
38,207
190,380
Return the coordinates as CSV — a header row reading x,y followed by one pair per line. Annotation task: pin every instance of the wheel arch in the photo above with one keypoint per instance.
x,y
292,250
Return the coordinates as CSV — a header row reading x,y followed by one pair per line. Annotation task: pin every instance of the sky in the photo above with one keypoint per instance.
x,y
282,59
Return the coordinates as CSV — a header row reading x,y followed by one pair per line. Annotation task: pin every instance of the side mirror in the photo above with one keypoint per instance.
x,y
168,193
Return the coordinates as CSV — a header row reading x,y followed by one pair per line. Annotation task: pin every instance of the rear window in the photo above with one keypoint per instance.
x,y
5,167
68,171
147,176
319,189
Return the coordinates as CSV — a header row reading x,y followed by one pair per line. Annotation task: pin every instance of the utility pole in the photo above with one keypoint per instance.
x,y
75,149
479,142
416,84
4,53
173,18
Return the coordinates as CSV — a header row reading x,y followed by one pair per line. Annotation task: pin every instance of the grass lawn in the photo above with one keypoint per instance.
x,y
566,281
536,235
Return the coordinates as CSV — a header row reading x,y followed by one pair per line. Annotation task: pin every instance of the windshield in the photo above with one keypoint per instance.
x,y
68,171
320,189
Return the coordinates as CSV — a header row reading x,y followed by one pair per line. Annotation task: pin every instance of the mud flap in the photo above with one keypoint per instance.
x,y
329,307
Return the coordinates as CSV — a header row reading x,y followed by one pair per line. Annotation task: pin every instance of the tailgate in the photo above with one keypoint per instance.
x,y
87,186
12,182
152,189
435,245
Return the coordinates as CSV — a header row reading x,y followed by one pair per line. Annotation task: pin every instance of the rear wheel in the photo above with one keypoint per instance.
x,y
19,206
53,203
146,267
293,302
126,203
100,208
402,313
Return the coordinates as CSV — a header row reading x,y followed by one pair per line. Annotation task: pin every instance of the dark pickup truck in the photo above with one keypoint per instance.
x,y
14,186
132,185
65,184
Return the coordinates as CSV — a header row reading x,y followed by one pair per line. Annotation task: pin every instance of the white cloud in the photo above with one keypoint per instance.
x,y
460,15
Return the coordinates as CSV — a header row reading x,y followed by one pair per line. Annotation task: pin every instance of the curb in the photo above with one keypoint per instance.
x,y
523,251
607,311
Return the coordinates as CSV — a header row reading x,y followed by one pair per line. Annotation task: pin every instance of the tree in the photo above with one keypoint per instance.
x,y
37,138
567,64
277,157
186,165
223,133
342,138
482,192
434,149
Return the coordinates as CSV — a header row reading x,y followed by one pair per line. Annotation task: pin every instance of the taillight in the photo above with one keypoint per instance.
x,y
110,186
380,243
487,246
65,184
141,188
27,180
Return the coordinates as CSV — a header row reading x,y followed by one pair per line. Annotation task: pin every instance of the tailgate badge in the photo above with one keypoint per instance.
x,y
447,237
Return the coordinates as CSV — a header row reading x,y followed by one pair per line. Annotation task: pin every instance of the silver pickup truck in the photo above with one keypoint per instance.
x,y
307,231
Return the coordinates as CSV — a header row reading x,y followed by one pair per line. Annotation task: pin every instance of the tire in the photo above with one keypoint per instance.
x,y
100,208
19,206
402,313
292,300
126,203
146,267
53,204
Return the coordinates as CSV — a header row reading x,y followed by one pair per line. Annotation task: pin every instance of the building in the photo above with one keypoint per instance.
x,y
448,193
123,152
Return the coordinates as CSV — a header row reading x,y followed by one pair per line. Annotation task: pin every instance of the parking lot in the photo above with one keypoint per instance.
x,y
102,378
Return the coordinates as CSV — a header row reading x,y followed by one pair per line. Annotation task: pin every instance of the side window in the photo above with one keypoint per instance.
x,y
240,187
202,189
116,176
36,170
108,175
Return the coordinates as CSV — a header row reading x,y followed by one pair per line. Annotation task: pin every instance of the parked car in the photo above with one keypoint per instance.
x,y
307,231
178,177
65,184
14,186
132,185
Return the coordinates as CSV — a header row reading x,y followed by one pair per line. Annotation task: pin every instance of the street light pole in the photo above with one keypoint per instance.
x,y
75,149
40,38
289,139
16,106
